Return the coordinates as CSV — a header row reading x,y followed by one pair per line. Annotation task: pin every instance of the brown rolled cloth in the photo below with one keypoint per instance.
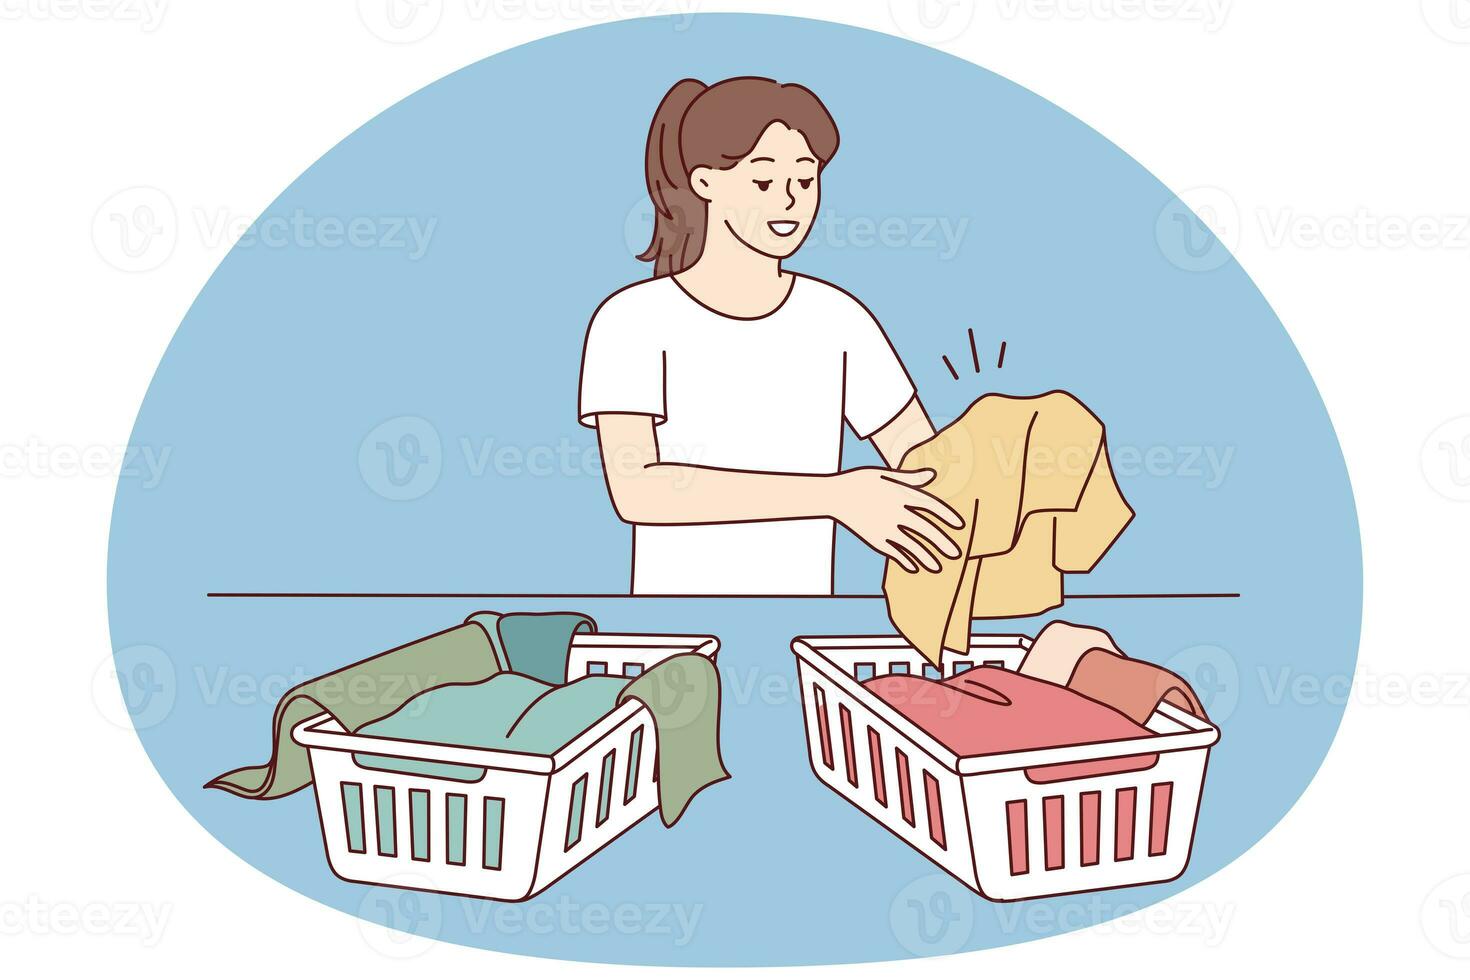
x,y
1134,687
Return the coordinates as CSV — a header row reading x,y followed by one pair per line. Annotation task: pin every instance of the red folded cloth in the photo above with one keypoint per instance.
x,y
987,710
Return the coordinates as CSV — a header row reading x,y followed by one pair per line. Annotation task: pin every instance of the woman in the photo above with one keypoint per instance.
x,y
719,387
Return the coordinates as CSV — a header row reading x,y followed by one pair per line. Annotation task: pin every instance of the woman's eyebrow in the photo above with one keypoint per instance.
x,y
805,160
762,159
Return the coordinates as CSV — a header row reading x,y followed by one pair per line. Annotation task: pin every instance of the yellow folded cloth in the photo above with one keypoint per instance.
x,y
1032,479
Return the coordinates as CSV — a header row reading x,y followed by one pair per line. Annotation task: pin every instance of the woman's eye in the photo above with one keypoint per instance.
x,y
764,185
806,183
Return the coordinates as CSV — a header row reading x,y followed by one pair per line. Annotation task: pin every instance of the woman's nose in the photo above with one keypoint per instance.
x,y
790,198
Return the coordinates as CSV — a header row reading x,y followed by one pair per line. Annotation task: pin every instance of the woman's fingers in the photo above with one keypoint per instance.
x,y
916,538
921,501
895,551
922,547
930,533
913,478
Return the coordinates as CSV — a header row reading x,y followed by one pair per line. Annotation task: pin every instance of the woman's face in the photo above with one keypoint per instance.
x,y
769,199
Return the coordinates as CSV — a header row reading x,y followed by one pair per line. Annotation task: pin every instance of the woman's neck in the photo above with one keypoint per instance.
x,y
732,278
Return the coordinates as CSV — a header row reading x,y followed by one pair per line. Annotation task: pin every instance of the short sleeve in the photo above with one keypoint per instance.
x,y
622,363
875,385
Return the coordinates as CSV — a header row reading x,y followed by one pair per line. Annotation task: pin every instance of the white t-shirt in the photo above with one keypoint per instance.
x,y
767,394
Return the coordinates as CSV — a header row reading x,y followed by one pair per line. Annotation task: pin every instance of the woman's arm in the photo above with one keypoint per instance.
x,y
903,432
885,508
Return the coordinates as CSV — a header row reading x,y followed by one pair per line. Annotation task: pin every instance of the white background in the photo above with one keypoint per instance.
x,y
1331,141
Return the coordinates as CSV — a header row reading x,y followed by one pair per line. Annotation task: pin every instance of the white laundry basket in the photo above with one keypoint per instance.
x,y
517,822
1014,825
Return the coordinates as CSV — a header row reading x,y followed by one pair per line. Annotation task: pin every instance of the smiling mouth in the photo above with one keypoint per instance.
x,y
783,228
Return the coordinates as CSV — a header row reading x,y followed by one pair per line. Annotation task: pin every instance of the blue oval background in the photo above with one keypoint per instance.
x,y
301,359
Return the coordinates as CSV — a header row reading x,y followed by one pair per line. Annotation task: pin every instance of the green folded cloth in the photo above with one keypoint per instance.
x,y
514,713
363,692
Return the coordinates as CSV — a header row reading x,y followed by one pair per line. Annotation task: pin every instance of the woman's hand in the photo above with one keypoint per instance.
x,y
894,517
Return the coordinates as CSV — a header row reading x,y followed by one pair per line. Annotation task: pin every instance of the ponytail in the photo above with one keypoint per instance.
x,y
679,213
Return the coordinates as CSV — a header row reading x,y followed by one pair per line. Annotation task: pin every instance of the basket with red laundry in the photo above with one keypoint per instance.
x,y
1023,768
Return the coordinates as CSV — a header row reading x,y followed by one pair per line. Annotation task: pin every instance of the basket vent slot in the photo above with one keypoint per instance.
x,y
875,755
635,754
387,828
825,736
905,787
1127,810
1091,807
455,807
494,832
574,811
352,813
1016,832
604,788
1052,820
936,812
418,822
848,751
1158,818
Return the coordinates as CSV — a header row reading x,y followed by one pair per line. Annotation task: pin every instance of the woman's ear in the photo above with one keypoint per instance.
x,y
699,183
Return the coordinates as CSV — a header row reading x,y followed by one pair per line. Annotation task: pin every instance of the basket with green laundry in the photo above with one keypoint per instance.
x,y
494,757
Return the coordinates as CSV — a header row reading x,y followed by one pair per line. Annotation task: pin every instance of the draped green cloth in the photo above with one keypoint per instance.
x,y
498,681
374,688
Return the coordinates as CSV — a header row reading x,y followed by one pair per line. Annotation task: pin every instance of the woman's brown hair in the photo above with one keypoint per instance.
x,y
700,125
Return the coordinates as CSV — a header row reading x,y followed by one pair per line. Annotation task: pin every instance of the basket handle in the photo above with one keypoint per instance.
x,y
1063,771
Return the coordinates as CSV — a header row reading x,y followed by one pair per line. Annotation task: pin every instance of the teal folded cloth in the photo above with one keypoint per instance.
x,y
359,694
535,644
514,713
510,712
